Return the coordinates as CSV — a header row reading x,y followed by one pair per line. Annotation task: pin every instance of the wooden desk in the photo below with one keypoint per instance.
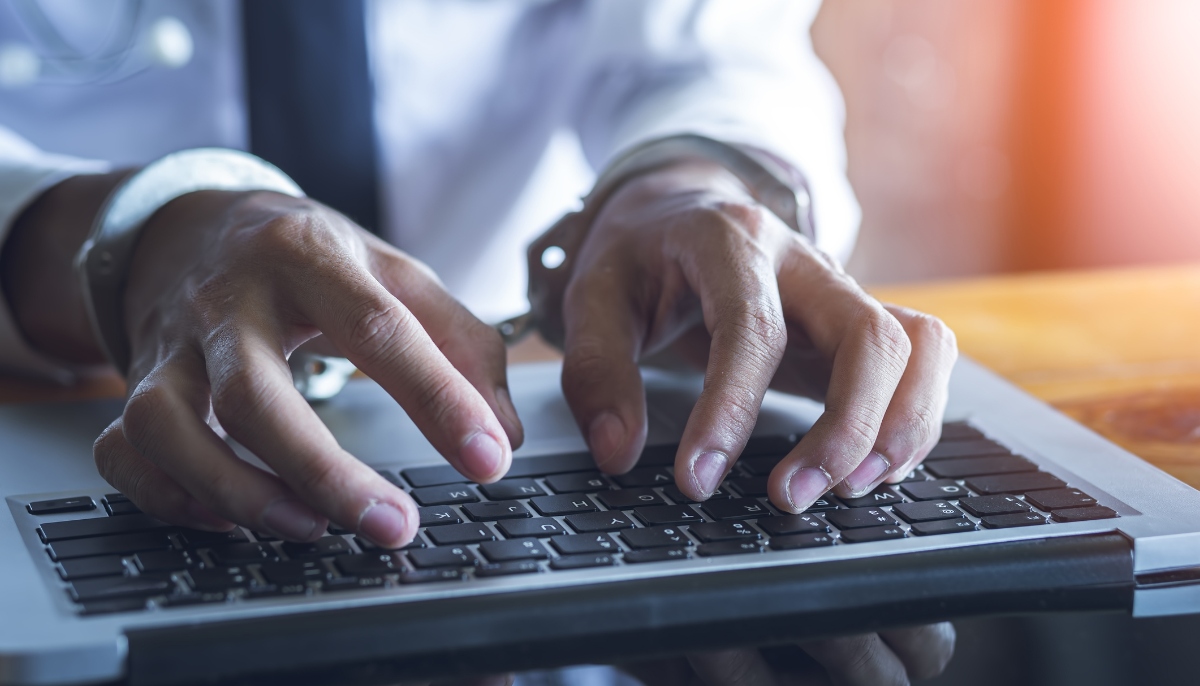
x,y
1117,350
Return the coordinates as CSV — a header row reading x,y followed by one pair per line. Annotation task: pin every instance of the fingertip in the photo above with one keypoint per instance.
x,y
607,436
485,457
387,524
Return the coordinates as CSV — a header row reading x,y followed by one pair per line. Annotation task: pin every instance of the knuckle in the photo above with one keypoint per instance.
x,y
373,326
241,394
439,398
930,330
145,412
886,336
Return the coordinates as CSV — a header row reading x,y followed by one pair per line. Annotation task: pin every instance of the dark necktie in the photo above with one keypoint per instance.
x,y
310,99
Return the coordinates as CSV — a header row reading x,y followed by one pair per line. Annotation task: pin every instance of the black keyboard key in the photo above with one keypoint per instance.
x,y
1007,521
793,524
645,476
438,515
219,579
79,503
874,533
539,465
424,576
1060,499
759,466
537,526
728,548
294,572
327,546
658,455
656,555
859,518
583,561
960,431
190,599
553,505
772,446
927,511
109,545
242,554
630,498
105,607
369,547
509,489
592,522
369,565
454,556
667,514
656,537
677,495
938,489
494,510
145,586
1082,514
584,543
194,538
749,486
825,502
1017,484
962,468
515,549
115,498
799,541
121,509
90,567
880,496
460,534
99,526
724,531
507,568
987,505
735,508
978,448
163,561
943,526
444,495
351,583
585,482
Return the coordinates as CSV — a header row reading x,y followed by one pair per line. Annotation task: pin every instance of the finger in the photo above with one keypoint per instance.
x,y
383,338
600,377
255,400
162,422
863,660
475,349
869,351
924,650
148,486
740,303
740,667
913,423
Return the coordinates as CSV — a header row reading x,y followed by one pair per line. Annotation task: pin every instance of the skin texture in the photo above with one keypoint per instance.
x,y
681,262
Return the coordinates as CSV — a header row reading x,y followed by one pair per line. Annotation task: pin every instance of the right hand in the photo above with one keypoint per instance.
x,y
222,288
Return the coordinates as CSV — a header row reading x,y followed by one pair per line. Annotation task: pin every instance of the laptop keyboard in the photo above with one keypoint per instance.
x,y
551,513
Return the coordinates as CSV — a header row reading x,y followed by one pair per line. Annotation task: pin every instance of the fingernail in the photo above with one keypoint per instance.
x,y
383,524
201,517
290,519
806,485
483,454
707,471
867,473
606,436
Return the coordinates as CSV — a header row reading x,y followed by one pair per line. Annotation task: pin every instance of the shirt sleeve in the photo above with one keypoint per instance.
x,y
25,172
742,72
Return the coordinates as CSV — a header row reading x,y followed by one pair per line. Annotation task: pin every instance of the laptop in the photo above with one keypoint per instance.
x,y
1017,510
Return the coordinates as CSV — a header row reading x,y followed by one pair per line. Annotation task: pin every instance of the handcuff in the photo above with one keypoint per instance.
x,y
103,260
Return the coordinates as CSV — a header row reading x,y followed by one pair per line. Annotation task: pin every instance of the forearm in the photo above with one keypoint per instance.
x,y
36,267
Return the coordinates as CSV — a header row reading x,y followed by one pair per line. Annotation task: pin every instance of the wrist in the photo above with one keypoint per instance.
x,y
37,267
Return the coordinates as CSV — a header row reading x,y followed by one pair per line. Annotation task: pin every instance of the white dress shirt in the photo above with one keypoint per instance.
x,y
491,116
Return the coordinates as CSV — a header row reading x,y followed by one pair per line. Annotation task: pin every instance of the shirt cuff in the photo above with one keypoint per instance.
x,y
25,173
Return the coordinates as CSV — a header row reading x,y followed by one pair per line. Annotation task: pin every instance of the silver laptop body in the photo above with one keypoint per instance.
x,y
1145,560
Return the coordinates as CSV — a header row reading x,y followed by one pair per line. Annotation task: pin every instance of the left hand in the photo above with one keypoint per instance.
x,y
684,259
888,658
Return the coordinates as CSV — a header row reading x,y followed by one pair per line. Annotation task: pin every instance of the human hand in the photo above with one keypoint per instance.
x,y
683,259
888,658
222,288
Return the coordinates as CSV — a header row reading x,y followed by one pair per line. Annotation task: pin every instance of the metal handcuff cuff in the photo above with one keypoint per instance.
x,y
103,260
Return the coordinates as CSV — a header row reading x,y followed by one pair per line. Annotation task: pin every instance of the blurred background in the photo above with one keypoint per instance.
x,y
1008,135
